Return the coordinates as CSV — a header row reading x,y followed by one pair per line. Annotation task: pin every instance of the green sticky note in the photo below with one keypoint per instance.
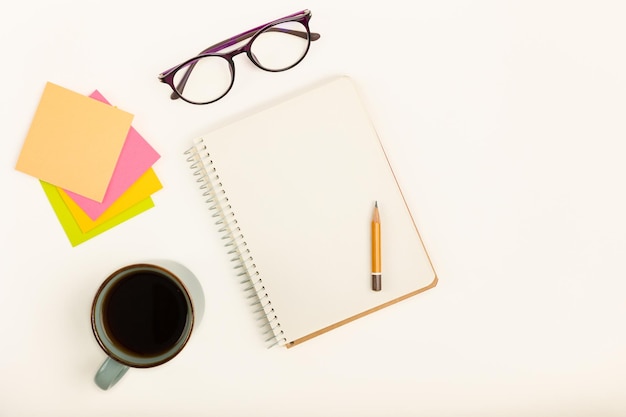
x,y
71,227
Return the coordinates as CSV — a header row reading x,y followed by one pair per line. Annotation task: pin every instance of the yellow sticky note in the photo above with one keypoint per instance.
x,y
71,228
144,187
74,142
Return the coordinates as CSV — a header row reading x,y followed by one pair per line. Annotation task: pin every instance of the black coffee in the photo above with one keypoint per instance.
x,y
145,313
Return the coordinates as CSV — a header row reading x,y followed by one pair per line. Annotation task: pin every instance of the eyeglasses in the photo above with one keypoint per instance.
x,y
275,46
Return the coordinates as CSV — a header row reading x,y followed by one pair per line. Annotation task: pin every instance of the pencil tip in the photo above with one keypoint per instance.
x,y
376,203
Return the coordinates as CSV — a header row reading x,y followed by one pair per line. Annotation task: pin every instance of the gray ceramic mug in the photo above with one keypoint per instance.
x,y
143,316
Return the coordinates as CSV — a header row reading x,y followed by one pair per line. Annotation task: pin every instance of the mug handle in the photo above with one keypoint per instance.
x,y
109,373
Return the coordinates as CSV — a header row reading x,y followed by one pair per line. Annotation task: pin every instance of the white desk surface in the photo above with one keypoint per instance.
x,y
505,123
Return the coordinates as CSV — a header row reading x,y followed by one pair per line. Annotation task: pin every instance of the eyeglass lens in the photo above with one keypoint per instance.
x,y
281,46
209,78
276,48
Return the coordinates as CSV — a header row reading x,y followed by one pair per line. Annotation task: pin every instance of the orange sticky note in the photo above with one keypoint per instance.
x,y
74,142
143,188
71,228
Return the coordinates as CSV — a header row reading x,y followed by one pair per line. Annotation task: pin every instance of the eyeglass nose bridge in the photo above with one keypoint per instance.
x,y
244,49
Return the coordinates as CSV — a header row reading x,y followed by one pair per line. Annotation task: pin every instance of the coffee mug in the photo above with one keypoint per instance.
x,y
143,315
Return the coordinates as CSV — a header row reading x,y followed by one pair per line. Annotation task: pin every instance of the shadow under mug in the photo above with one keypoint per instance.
x,y
143,315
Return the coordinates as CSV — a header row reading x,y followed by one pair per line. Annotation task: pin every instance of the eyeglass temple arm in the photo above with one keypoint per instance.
x,y
232,41
250,33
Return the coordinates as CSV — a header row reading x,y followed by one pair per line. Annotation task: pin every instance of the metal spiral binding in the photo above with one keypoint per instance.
x,y
215,197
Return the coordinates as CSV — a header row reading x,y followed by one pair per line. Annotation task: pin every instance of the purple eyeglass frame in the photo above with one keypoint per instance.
x,y
168,75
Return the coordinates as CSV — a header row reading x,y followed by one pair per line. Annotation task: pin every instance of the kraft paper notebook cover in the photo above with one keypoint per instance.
x,y
292,188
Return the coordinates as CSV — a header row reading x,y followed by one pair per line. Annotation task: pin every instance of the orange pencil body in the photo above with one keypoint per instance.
x,y
376,258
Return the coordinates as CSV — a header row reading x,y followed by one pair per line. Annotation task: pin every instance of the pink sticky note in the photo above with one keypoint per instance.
x,y
135,158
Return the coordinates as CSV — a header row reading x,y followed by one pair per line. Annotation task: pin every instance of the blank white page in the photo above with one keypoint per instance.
x,y
302,177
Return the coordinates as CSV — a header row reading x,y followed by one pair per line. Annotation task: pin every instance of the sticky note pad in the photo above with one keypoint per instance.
x,y
71,228
143,188
74,142
136,157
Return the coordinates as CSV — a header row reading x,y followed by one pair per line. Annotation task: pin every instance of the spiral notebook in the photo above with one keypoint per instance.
x,y
292,187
